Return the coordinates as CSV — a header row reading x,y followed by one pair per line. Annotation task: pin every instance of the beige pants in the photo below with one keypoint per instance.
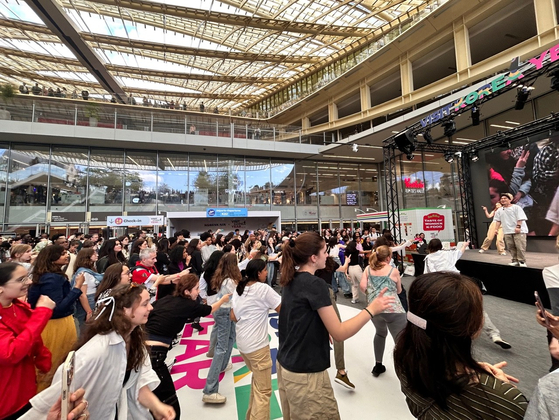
x,y
355,272
516,244
260,364
491,232
306,396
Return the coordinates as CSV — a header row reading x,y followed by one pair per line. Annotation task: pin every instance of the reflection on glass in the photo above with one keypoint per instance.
x,y
68,183
258,183
106,168
438,181
349,190
27,183
172,182
306,190
283,195
412,183
368,175
329,191
4,163
140,182
203,182
231,182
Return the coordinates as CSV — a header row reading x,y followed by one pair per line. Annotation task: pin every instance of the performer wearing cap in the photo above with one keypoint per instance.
x,y
513,220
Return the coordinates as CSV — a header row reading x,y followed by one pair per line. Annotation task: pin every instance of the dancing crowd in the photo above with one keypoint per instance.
x,y
122,303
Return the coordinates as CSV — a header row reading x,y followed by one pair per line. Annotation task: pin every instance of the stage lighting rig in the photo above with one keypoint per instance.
x,y
522,94
410,156
449,157
427,136
475,115
405,142
355,147
474,156
449,127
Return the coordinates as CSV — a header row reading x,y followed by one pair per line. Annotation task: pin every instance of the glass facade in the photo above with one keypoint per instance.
x,y
64,185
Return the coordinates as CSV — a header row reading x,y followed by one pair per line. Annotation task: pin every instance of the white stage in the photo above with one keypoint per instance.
x,y
380,397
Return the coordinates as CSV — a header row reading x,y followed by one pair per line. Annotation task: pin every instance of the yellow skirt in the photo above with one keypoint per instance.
x,y
59,336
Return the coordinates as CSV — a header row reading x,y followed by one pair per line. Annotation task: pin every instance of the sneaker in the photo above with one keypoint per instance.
x,y
344,380
502,253
481,251
228,367
378,369
197,326
216,398
514,264
500,342
348,295
522,264
354,301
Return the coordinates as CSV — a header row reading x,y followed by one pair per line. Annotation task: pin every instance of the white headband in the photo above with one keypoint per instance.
x,y
107,301
417,321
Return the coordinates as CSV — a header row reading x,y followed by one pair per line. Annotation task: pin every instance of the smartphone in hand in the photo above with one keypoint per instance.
x,y
66,405
539,305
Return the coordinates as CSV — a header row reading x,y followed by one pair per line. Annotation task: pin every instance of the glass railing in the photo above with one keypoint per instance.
x,y
103,115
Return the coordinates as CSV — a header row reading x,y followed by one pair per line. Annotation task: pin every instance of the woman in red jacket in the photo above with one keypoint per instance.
x,y
21,347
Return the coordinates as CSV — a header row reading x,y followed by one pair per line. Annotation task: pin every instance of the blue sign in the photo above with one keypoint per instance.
x,y
227,212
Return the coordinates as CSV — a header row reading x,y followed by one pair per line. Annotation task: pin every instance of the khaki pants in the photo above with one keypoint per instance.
x,y
306,396
260,364
491,232
516,244
355,272
338,345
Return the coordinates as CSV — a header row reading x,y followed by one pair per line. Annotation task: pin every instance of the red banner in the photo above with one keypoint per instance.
x,y
433,221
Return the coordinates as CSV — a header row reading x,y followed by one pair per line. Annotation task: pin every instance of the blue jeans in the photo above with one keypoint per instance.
x,y
224,346
342,282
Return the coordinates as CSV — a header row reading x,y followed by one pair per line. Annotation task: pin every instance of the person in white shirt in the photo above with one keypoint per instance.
x,y
513,220
251,304
112,364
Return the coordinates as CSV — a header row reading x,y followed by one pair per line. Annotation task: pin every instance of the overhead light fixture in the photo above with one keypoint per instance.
x,y
449,157
475,115
428,137
405,142
474,156
355,147
410,156
522,94
449,127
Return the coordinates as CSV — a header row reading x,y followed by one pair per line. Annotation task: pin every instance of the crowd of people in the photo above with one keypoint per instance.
x,y
121,304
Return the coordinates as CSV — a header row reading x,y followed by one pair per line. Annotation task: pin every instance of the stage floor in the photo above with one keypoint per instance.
x,y
537,260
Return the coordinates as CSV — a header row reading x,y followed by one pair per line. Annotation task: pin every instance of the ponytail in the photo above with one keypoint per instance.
x,y
377,260
254,267
297,252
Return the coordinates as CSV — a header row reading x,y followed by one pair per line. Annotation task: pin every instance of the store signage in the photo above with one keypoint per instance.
x,y
414,187
135,221
433,221
494,85
227,212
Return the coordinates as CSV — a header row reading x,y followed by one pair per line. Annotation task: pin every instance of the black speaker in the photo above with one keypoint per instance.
x,y
405,142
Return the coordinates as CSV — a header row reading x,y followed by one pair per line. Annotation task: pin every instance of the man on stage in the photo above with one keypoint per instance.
x,y
513,220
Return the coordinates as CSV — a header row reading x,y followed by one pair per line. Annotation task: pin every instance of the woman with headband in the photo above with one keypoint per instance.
x,y
433,355
112,363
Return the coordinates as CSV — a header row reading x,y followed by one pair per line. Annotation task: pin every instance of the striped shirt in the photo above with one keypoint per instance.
x,y
489,399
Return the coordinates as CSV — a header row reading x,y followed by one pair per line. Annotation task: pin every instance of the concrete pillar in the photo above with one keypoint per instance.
x,y
462,46
546,15
365,94
406,75
305,123
332,111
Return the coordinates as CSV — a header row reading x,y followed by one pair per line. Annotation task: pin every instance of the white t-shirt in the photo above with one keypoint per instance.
x,y
251,310
90,282
509,216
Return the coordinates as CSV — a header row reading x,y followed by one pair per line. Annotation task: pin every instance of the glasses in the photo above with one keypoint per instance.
x,y
128,273
23,279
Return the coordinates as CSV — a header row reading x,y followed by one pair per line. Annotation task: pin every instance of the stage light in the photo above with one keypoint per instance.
x,y
555,79
405,142
427,136
475,115
522,95
449,127
474,156
355,148
410,156
449,157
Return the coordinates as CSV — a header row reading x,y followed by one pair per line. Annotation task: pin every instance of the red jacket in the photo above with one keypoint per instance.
x,y
21,350
141,273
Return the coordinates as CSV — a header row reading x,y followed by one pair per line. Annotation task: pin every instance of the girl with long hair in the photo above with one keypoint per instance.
x,y
306,321
85,263
23,255
115,275
139,245
377,276
252,301
125,242
21,347
433,355
60,334
354,270
163,261
224,282
109,254
207,294
168,318
196,263
112,362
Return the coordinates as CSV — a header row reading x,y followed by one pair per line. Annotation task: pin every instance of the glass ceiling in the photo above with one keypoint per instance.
x,y
228,53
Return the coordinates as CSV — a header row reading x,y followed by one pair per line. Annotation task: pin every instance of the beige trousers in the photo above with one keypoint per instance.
x,y
306,396
355,272
516,244
260,364
491,231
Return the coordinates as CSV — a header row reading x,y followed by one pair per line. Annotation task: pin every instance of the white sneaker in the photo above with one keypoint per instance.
x,y
514,264
216,398
355,301
228,367
481,251
502,253
522,264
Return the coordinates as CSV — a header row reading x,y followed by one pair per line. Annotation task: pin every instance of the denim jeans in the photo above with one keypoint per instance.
x,y
342,282
224,346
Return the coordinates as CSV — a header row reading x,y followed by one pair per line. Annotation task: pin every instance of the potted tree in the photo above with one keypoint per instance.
x,y
92,112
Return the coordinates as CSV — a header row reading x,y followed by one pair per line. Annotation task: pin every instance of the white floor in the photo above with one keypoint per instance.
x,y
380,398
